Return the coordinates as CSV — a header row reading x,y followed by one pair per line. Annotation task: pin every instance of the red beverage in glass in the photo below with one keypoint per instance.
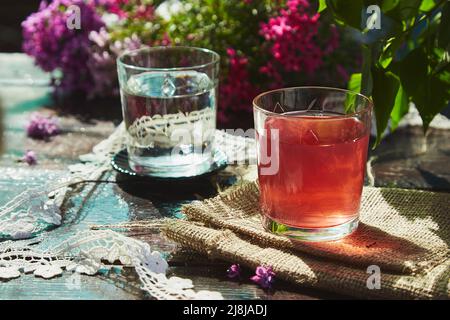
x,y
321,170
312,150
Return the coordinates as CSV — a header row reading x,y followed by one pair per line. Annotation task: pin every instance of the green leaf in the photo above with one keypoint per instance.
x,y
385,61
347,12
431,100
413,70
443,60
427,5
405,9
366,77
278,227
354,85
444,76
388,5
401,107
430,93
389,51
385,89
322,6
444,29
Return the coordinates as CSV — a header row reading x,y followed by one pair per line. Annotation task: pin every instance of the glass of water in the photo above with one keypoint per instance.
x,y
169,108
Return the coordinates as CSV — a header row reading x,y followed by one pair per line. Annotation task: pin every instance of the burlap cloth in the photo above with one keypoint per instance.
x,y
404,232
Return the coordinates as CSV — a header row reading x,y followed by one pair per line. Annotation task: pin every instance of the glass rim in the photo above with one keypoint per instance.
x,y
367,108
215,58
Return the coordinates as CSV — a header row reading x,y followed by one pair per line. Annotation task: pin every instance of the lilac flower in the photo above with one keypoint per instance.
x,y
29,157
102,61
84,58
56,47
264,277
42,127
234,271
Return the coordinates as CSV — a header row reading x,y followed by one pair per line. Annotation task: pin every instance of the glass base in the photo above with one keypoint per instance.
x,y
311,234
172,171
123,163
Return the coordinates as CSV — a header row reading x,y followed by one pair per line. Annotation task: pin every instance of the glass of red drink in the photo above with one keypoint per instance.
x,y
312,149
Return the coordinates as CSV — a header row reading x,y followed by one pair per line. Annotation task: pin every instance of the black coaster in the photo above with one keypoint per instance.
x,y
120,163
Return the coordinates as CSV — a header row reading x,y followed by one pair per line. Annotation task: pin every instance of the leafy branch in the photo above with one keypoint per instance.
x,y
405,60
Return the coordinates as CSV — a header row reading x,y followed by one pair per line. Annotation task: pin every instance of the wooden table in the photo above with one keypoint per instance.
x,y
398,163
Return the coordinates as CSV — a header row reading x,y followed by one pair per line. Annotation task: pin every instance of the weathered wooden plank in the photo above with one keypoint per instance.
x,y
407,159
69,287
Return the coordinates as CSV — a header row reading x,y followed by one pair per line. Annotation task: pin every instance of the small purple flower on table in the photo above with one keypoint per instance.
x,y
234,271
42,127
29,157
264,277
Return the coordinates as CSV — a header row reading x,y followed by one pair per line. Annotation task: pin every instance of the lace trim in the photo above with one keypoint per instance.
x,y
89,252
85,252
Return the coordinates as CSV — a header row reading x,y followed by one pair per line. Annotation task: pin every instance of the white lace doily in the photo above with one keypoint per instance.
x,y
38,209
88,253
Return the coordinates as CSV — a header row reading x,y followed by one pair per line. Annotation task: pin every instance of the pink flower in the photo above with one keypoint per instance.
x,y
165,41
29,157
130,9
231,52
234,271
145,12
291,35
264,277
236,90
42,127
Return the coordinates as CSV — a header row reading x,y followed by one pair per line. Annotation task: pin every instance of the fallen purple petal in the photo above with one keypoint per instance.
x,y
234,271
30,157
264,277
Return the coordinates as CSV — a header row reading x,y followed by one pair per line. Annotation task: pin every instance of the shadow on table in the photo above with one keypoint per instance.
x,y
171,189
367,245
106,109
442,184
437,211
168,196
367,237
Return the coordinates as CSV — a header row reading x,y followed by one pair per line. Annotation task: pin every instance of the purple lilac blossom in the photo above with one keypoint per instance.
x,y
42,127
29,157
264,277
102,61
57,47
